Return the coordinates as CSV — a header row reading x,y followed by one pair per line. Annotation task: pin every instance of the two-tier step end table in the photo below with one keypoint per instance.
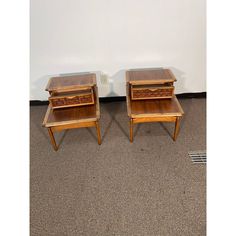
x,y
150,98
73,103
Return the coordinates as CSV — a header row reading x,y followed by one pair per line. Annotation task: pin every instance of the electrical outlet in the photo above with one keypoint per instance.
x,y
104,79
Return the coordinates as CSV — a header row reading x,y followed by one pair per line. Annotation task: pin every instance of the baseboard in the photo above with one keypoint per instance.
x,y
192,95
123,98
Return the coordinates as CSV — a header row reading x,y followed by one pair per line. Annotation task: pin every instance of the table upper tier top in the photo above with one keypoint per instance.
x,y
70,83
149,76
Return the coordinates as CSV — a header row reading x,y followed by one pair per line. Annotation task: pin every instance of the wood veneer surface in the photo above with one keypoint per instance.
x,y
155,107
70,115
150,76
71,82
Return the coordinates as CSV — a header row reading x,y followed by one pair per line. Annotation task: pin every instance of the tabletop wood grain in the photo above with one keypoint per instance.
x,y
150,76
70,83
156,107
55,117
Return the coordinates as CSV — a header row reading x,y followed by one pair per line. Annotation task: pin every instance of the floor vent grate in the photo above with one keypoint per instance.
x,y
198,156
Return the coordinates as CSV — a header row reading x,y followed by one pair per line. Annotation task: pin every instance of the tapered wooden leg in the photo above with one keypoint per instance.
x,y
177,122
98,132
53,141
131,130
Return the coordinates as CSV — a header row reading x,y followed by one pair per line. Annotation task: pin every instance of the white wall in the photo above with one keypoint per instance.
x,y
110,36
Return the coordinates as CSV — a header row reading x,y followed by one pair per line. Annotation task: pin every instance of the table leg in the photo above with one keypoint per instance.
x,y
98,132
177,122
131,130
53,141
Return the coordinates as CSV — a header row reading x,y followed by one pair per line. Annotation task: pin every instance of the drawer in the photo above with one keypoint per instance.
x,y
62,100
151,91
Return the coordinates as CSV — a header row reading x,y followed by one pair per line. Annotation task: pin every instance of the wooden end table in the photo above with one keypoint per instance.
x,y
155,111
71,118
160,109
70,107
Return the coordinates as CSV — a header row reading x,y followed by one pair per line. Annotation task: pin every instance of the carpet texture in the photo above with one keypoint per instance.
x,y
149,187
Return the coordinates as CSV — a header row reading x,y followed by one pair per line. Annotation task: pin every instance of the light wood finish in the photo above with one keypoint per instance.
x,y
74,126
128,99
152,110
98,132
177,124
131,130
52,138
70,116
95,91
154,119
175,119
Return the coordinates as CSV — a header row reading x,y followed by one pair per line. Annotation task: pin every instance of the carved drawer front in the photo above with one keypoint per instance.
x,y
78,98
151,91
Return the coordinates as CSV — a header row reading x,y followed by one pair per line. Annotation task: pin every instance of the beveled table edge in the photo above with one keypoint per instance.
x,y
52,124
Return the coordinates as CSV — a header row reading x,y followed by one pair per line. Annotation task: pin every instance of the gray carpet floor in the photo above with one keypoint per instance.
x,y
149,187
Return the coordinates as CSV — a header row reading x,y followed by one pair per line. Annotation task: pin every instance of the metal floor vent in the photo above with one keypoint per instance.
x,y
198,156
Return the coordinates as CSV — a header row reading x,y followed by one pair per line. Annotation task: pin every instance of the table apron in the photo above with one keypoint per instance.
x,y
73,126
155,119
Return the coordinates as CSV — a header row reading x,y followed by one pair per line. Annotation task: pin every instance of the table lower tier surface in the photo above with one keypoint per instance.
x,y
154,107
63,116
